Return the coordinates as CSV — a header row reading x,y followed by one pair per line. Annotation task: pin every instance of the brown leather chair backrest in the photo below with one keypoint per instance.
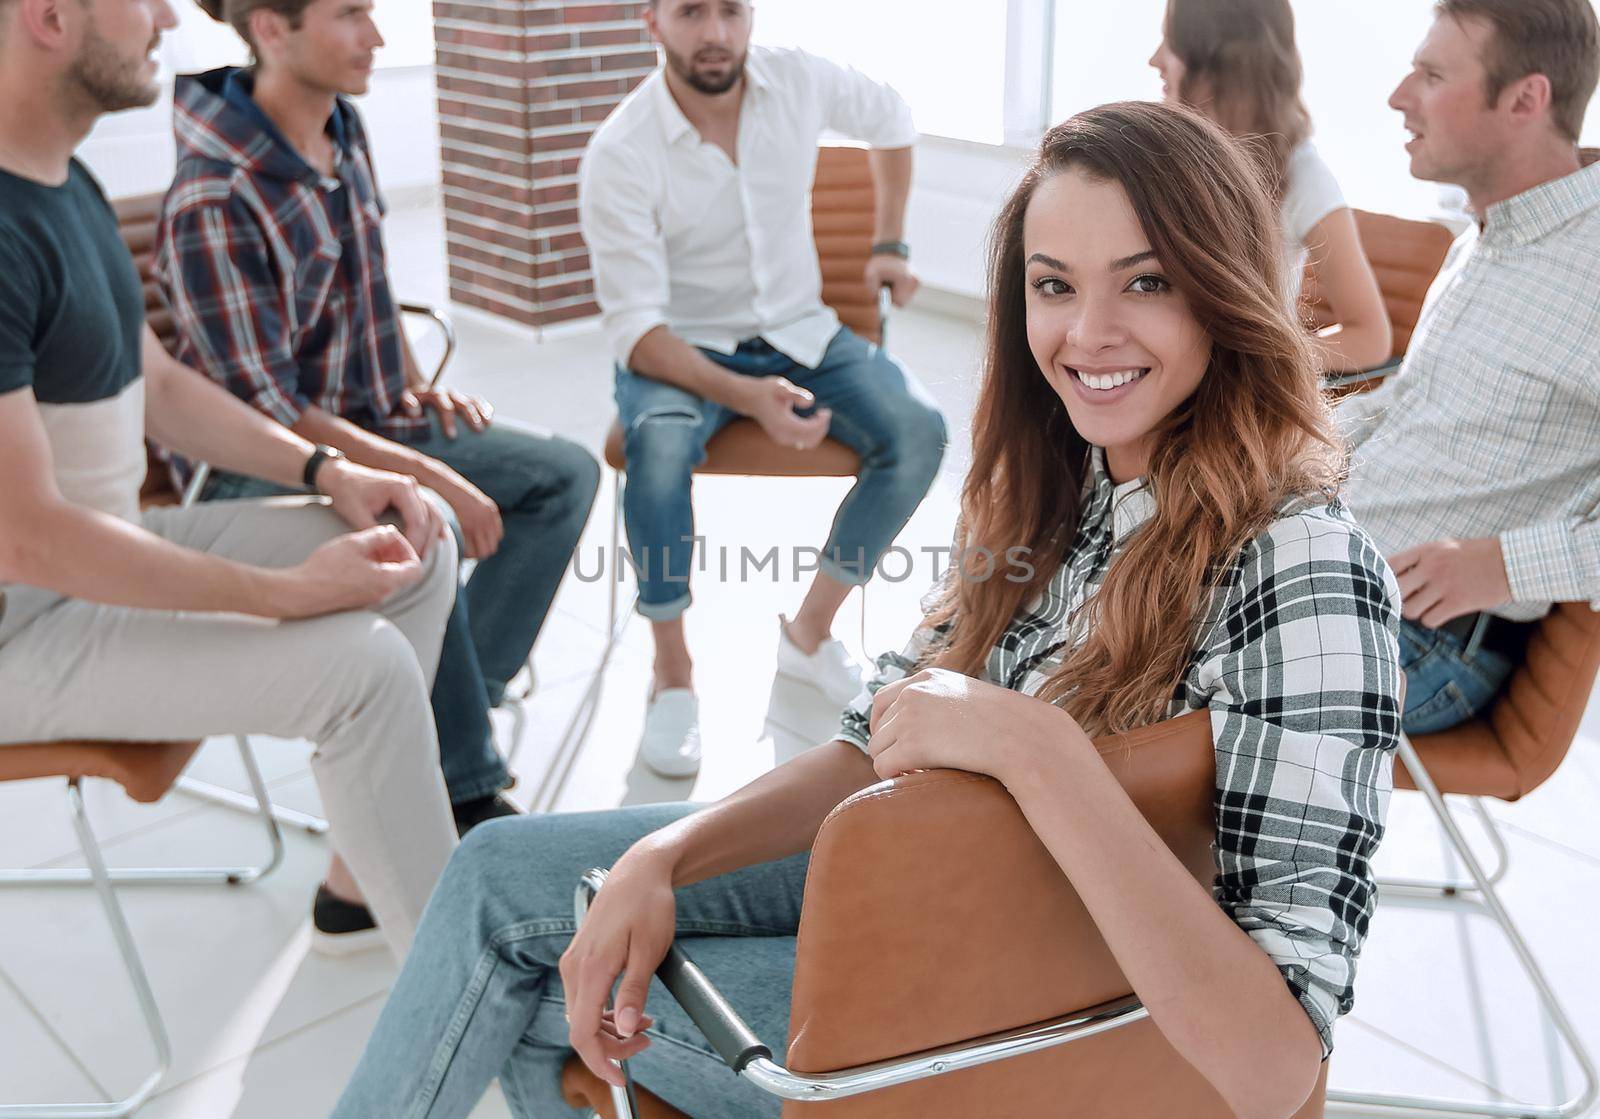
x,y
934,914
843,213
1522,739
136,219
1406,256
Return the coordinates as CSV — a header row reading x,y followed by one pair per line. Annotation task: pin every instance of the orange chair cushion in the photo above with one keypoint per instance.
x,y
582,1089
743,448
145,769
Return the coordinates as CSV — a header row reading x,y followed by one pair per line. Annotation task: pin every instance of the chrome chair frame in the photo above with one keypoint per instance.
x,y
104,879
748,1057
156,1029
1478,891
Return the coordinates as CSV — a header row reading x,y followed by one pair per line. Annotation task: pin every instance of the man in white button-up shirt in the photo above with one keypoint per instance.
x,y
695,200
1477,465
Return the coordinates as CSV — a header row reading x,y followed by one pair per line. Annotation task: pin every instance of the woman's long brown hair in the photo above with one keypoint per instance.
x,y
1241,68
1255,434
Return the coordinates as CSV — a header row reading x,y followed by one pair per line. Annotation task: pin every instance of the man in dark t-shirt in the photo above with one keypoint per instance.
x,y
238,617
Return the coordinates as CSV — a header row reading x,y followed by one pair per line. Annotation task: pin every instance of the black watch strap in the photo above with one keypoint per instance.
x,y
319,455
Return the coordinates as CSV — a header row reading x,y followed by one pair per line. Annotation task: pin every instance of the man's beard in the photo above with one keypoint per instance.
x,y
686,71
108,80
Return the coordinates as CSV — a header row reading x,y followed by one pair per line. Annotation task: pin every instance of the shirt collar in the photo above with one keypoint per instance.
x,y
1526,217
1129,504
239,91
674,125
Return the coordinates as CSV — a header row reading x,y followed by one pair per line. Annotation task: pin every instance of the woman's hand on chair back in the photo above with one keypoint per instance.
x,y
627,932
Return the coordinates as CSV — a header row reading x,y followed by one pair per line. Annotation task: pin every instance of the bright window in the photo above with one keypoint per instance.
x,y
1354,52
951,70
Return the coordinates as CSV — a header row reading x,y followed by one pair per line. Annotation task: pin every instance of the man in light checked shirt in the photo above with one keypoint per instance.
x,y
1476,467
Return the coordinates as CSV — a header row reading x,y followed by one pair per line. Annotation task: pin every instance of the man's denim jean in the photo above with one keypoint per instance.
x,y
544,486
879,411
1444,687
480,995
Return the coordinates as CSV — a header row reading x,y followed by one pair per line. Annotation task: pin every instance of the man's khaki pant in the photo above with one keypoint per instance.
x,y
356,684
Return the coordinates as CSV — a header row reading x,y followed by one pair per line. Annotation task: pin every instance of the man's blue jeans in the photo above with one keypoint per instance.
x,y
544,486
1445,687
879,411
480,995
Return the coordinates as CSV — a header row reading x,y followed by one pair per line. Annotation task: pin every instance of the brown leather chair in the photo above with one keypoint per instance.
x,y
1506,753
938,874
146,770
1406,256
842,214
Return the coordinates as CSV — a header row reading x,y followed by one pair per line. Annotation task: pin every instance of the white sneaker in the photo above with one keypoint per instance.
x,y
831,669
671,742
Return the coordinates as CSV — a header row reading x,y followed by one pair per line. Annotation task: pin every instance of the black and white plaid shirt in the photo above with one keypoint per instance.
x,y
1297,663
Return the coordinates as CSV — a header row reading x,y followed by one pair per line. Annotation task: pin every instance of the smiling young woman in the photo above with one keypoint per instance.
x,y
1150,433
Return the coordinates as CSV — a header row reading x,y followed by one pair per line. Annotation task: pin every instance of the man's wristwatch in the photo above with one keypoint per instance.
x,y
892,248
319,455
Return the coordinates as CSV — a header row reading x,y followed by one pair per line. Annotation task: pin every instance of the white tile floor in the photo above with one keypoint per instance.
x,y
262,1029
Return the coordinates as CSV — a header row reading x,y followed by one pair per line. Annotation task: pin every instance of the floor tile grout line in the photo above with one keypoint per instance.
x,y
54,1035
1546,841
1429,1058
289,1035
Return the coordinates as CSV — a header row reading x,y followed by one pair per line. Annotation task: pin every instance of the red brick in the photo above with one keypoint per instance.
x,y
575,91
553,168
566,192
556,218
464,111
561,291
520,195
509,166
559,42
595,113
565,314
467,88
508,40
554,67
599,13
513,147
482,229
465,271
562,141
477,13
615,37
564,241
463,58
633,60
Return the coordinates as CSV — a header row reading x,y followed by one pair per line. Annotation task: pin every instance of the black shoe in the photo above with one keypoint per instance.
x,y
469,814
340,927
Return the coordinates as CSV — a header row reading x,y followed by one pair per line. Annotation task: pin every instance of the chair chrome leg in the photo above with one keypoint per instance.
x,y
1461,888
567,747
239,802
260,803
102,879
1489,898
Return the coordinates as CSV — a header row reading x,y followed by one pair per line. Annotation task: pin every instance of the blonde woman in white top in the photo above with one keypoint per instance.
x,y
1236,62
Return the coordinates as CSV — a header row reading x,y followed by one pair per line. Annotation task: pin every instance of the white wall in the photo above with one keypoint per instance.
x,y
134,152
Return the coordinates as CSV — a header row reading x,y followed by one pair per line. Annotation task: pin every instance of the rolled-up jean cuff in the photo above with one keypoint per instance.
x,y
664,611
846,575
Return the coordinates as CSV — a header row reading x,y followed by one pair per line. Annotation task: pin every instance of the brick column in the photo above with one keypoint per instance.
x,y
522,85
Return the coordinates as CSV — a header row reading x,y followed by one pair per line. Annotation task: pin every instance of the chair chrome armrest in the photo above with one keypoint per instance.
x,y
447,328
1362,376
745,1054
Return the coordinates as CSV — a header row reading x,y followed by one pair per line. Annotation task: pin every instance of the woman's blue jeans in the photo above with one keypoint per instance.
x,y
480,995
879,410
